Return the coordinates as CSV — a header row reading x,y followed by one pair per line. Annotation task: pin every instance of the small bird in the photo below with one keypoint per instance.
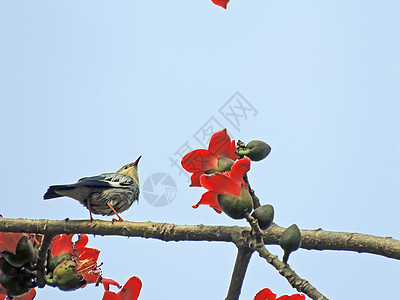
x,y
105,194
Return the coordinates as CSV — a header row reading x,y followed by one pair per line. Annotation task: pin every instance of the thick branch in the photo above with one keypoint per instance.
x,y
239,271
311,239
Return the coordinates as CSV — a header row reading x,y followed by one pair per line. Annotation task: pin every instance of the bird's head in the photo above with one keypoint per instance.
x,y
131,170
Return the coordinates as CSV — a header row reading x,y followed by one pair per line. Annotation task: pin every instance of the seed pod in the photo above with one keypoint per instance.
x,y
234,206
290,241
256,150
264,215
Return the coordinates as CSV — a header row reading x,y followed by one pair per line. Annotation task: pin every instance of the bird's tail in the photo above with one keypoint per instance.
x,y
51,192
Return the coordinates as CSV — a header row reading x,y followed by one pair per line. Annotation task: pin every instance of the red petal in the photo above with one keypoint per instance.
x,y
221,145
28,296
265,294
220,183
2,297
131,289
62,243
211,199
82,241
198,160
108,281
222,3
108,295
195,178
91,277
292,297
9,241
241,167
88,253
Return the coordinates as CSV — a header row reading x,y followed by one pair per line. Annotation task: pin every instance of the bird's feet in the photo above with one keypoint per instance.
x,y
115,212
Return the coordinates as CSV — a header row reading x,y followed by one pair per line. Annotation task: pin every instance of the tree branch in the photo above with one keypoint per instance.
x,y
311,239
295,280
239,271
42,258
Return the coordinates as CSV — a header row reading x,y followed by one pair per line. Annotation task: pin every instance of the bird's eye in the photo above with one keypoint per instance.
x,y
126,167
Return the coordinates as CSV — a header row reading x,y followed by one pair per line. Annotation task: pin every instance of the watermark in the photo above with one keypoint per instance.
x,y
236,111
159,189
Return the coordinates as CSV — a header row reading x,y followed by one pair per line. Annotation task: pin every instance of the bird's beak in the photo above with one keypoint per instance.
x,y
136,161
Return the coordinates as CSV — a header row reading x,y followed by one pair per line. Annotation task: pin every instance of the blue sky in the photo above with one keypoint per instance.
x,y
87,87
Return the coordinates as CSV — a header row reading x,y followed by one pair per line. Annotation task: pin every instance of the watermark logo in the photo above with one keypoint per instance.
x,y
159,189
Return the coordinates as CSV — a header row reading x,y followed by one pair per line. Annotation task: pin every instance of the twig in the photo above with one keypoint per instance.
x,y
256,231
295,280
42,258
256,201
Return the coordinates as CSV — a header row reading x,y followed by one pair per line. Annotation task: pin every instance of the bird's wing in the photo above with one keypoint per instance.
x,y
106,180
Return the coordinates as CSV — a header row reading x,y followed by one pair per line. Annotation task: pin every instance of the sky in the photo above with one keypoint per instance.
x,y
88,86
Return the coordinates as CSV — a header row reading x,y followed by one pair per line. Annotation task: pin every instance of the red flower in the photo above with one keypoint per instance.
x,y
223,183
267,294
201,160
222,3
85,258
130,290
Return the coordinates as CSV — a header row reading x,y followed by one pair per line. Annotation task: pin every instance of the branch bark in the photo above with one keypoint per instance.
x,y
42,258
239,271
311,239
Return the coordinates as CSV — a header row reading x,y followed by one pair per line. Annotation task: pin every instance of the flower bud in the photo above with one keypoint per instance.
x,y
66,277
290,241
24,253
13,285
256,150
234,206
264,215
8,269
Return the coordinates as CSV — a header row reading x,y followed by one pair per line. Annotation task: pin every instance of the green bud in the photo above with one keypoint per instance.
x,y
8,269
66,278
264,215
13,285
256,150
236,207
290,241
53,262
224,164
24,253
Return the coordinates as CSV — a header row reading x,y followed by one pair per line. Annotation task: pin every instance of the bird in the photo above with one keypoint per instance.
x,y
106,194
